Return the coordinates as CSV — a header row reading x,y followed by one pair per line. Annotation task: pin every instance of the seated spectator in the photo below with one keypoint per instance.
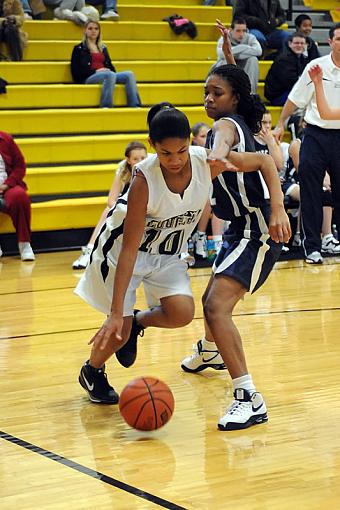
x,y
14,200
245,48
267,144
73,10
11,19
303,25
134,153
286,70
91,64
109,8
263,20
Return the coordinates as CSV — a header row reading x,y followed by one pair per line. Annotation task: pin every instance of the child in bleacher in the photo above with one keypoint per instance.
x,y
91,64
134,153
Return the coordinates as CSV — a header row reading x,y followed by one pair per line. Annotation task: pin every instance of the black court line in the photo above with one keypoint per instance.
x,y
276,312
90,472
78,330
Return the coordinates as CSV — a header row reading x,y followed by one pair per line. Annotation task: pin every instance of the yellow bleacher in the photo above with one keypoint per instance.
x,y
70,145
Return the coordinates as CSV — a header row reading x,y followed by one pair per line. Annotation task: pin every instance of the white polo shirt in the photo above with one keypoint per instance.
x,y
303,93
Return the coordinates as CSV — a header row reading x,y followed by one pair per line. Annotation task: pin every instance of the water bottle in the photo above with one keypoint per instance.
x,y
211,248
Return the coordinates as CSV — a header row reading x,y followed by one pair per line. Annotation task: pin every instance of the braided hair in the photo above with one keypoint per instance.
x,y
249,105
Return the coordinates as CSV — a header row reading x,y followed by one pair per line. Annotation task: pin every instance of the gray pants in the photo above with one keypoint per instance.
x,y
250,66
72,5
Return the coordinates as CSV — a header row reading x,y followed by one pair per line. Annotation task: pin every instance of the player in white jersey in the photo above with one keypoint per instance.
x,y
141,241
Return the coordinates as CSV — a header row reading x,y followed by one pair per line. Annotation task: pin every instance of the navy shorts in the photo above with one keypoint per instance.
x,y
247,260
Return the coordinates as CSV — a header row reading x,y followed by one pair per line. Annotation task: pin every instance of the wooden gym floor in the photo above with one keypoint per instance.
x,y
59,451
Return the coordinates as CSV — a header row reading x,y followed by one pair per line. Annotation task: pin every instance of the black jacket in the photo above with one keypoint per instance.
x,y
81,63
312,49
264,15
284,73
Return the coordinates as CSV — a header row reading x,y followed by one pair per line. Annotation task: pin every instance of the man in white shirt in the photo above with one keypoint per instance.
x,y
245,48
320,149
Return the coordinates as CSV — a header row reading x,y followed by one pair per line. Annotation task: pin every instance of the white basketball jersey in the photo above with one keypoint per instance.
x,y
170,217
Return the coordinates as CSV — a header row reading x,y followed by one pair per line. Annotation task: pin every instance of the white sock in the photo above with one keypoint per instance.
x,y
90,246
245,382
208,346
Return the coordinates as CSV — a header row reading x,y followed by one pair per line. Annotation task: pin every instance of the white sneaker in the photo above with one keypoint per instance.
x,y
27,15
84,258
110,14
330,245
79,18
202,359
200,241
314,258
26,252
1,252
245,411
189,259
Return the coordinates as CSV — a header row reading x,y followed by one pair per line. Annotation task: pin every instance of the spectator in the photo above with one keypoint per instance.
x,y
13,196
109,8
263,20
245,48
286,70
134,153
91,64
11,19
320,149
303,25
73,10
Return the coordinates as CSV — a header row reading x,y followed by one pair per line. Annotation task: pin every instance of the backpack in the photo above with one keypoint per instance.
x,y
179,25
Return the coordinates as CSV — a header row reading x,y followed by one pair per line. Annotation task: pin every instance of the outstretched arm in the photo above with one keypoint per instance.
x,y
325,112
226,46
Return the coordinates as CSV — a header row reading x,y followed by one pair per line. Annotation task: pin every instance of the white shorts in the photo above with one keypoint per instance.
x,y
162,276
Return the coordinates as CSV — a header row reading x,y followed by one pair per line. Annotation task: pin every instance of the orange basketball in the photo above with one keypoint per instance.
x,y
146,403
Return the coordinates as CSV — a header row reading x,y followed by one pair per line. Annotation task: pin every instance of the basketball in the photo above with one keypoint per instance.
x,y
146,403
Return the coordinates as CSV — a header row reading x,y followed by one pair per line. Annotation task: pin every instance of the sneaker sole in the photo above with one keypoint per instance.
x,y
318,263
253,420
203,367
94,399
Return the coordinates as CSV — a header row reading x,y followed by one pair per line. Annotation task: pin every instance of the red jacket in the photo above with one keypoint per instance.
x,y
14,161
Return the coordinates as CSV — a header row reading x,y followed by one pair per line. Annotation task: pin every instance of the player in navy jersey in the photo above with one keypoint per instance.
x,y
251,246
141,241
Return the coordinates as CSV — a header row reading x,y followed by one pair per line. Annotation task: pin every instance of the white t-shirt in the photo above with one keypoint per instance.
x,y
303,92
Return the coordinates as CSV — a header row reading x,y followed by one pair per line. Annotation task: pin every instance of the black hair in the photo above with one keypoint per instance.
x,y
296,34
165,121
300,18
249,105
333,29
238,21
195,129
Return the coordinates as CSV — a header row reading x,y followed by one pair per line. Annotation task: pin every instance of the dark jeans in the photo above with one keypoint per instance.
x,y
320,151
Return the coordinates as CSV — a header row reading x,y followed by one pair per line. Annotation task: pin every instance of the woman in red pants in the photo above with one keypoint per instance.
x,y
14,200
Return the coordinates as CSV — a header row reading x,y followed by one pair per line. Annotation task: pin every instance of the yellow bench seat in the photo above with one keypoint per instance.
x,y
145,71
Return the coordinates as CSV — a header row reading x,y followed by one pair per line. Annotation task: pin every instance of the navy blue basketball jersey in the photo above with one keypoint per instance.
x,y
240,197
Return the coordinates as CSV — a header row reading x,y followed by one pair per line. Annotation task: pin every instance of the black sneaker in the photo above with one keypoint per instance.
x,y
94,381
128,353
